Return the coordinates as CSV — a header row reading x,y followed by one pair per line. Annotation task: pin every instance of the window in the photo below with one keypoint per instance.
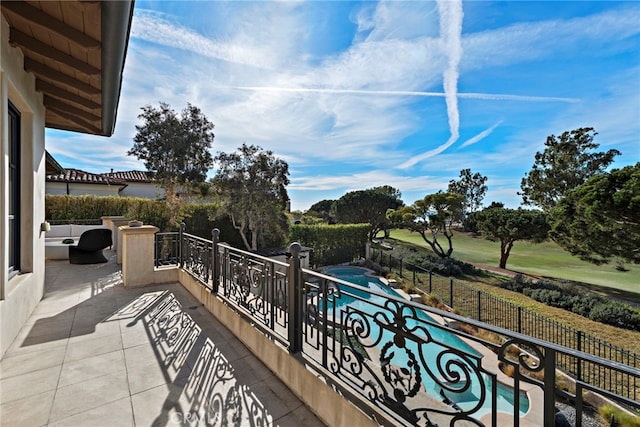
x,y
14,190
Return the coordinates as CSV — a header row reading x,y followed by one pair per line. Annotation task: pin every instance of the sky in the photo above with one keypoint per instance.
x,y
354,95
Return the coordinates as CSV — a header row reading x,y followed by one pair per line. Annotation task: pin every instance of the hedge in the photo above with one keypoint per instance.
x,y
331,244
199,218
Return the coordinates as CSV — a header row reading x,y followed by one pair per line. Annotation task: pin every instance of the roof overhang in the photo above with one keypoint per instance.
x,y
76,51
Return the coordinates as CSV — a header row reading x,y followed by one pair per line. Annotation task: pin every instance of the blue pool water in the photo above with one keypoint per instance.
x,y
368,303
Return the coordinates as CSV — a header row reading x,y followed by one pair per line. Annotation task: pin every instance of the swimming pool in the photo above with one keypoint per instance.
x,y
466,399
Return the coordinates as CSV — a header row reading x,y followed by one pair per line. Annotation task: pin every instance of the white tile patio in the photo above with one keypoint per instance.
x,y
94,353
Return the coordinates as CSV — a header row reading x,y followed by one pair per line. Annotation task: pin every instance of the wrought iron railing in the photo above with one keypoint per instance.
x,y
400,358
167,249
487,308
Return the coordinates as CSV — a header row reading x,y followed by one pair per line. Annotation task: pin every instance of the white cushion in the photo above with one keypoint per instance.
x,y
59,231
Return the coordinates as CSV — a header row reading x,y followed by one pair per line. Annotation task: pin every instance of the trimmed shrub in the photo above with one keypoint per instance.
x,y
331,244
579,301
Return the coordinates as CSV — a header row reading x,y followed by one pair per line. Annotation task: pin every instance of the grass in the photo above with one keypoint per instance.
x,y
545,259
491,284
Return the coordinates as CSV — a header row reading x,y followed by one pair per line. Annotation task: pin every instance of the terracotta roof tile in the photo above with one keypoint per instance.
x,y
130,176
80,176
117,178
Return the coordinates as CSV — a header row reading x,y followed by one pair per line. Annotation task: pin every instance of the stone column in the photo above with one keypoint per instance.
x,y
107,221
137,255
117,237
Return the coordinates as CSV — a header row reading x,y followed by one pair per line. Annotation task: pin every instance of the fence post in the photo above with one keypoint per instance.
x,y
579,345
181,245
519,311
479,306
295,298
549,405
401,268
215,261
430,282
451,293
414,277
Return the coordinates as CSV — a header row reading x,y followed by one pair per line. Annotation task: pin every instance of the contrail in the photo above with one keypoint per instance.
x,y
451,35
482,135
467,95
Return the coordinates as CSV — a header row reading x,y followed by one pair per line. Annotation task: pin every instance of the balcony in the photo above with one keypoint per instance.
x,y
190,331
97,353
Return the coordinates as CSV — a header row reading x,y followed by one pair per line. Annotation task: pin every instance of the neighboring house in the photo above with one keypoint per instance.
x,y
77,182
61,67
137,184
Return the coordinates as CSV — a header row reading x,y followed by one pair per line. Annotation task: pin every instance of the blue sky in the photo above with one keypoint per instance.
x,y
360,94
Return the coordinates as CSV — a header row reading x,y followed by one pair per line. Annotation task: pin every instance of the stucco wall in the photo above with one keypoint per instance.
x,y
56,188
147,190
20,294
78,189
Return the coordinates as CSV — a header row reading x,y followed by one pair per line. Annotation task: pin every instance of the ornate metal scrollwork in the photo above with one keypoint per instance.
x,y
197,258
409,364
250,285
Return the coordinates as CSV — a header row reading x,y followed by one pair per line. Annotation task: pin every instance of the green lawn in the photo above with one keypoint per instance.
x,y
545,259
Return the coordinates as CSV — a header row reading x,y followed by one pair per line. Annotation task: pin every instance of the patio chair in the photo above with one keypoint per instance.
x,y
90,246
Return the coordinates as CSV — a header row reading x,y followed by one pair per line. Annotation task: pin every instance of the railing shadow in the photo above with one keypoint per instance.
x,y
203,384
209,381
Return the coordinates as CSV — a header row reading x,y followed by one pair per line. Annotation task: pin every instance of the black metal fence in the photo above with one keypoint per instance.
x,y
490,309
94,221
390,354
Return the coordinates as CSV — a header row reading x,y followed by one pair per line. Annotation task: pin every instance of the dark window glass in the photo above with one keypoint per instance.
x,y
14,190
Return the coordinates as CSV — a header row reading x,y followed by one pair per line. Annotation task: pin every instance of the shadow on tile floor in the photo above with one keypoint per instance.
x,y
95,353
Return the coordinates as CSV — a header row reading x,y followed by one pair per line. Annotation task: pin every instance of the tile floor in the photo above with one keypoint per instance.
x,y
96,354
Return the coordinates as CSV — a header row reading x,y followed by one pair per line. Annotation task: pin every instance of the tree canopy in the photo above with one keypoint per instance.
x,y
507,226
253,182
566,162
175,148
322,209
472,187
367,207
432,217
600,220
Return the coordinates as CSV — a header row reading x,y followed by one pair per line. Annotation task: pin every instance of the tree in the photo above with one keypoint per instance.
x,y
175,148
472,187
432,217
600,220
322,209
565,163
367,207
507,226
253,182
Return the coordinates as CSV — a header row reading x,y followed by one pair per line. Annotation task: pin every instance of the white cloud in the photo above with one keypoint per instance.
x,y
530,41
364,180
260,83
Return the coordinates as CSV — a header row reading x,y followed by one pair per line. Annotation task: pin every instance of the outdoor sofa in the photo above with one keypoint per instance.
x,y
55,248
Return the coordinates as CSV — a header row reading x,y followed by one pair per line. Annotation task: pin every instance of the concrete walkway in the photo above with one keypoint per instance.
x,y
96,354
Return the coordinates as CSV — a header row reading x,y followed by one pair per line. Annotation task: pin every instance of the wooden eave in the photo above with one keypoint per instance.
x,y
76,51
